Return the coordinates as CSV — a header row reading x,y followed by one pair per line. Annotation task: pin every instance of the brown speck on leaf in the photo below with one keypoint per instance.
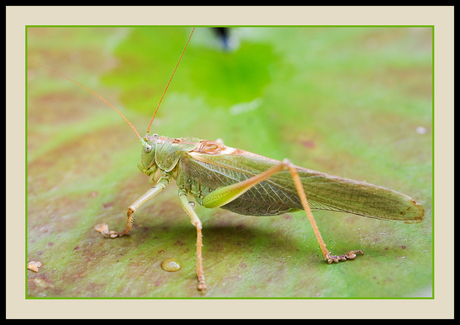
x,y
33,266
403,247
107,205
308,144
179,243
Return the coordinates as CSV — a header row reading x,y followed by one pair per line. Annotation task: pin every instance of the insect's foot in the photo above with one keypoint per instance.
x,y
124,232
201,283
113,234
350,256
202,286
120,234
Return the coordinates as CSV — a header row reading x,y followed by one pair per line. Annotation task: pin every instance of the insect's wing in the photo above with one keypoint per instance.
x,y
278,194
327,192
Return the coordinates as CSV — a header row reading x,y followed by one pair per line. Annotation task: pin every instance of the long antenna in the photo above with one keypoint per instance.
x,y
62,75
148,130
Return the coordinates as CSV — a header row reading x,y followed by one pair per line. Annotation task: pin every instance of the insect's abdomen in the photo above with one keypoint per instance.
x,y
254,204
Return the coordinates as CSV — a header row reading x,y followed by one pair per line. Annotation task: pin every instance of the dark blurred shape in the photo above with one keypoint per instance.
x,y
224,35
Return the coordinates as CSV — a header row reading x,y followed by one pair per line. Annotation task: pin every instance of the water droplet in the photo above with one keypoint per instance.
x,y
171,264
192,204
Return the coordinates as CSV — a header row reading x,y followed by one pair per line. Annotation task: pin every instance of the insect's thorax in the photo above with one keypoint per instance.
x,y
173,156
193,186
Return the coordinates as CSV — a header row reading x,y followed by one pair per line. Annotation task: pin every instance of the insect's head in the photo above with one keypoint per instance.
x,y
148,165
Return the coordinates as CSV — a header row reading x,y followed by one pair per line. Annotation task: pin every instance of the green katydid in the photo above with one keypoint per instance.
x,y
221,176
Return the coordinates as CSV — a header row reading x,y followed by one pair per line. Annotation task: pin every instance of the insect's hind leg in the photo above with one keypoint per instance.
x,y
197,223
229,193
303,199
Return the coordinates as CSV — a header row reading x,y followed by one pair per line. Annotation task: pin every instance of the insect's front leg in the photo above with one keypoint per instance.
x,y
197,223
159,186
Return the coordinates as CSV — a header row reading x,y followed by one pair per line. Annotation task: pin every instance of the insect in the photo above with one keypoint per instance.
x,y
218,175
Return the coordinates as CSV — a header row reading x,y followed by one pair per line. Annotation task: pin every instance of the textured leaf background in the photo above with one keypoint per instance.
x,y
349,101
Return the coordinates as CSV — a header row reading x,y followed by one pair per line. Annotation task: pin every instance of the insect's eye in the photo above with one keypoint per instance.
x,y
147,148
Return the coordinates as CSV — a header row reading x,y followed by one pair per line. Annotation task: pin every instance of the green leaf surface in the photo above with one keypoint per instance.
x,y
355,102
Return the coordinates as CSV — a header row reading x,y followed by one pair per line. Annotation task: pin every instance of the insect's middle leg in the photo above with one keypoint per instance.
x,y
229,193
197,223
